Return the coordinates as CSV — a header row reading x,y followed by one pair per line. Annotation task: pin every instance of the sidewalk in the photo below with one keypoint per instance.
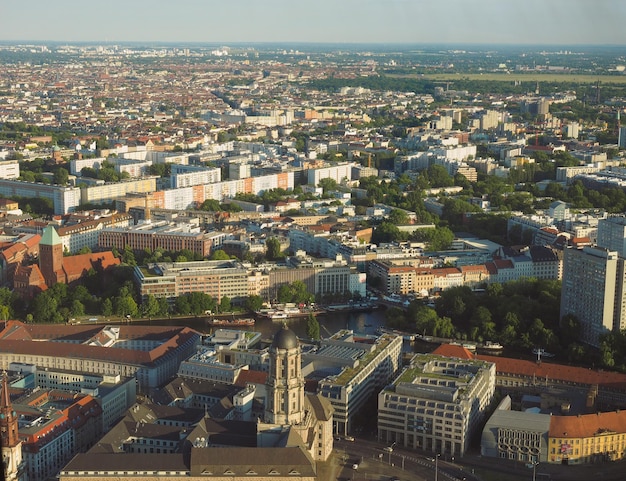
x,y
491,468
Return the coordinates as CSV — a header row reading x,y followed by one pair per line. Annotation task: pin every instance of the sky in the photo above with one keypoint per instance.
x,y
496,22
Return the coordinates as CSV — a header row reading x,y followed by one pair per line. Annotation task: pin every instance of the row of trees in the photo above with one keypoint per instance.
x,y
522,314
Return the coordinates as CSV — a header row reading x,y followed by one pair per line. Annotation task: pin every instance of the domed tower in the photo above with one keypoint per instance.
x,y
285,384
12,462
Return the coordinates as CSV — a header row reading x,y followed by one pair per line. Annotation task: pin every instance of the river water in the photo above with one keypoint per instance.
x,y
359,322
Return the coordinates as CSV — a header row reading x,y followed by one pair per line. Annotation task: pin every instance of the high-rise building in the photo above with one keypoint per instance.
x,y
621,138
612,234
592,290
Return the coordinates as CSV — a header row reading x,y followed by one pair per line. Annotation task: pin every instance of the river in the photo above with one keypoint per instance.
x,y
359,322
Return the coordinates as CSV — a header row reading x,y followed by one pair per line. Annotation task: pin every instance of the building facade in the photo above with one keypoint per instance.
x,y
436,404
365,366
598,302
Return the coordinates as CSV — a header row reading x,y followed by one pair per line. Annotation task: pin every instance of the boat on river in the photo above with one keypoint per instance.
x,y
231,322
490,346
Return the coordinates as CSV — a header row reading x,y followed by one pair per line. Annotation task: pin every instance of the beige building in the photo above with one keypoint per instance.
x,y
362,366
173,279
436,404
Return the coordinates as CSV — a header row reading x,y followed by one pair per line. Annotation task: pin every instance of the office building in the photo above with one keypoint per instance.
x,y
173,279
354,368
168,236
436,404
152,354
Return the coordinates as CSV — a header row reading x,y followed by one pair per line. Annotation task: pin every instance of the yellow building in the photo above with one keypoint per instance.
x,y
588,438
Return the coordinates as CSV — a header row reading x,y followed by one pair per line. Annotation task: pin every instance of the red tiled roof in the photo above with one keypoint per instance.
x,y
543,370
79,265
503,263
557,372
249,376
17,338
587,425
452,350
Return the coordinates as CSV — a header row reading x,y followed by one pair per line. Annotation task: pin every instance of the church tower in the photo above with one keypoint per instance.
x,y
9,439
51,256
285,383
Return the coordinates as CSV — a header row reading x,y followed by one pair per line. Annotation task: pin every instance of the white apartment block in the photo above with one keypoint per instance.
x,y
65,199
85,234
132,167
77,165
457,153
99,194
436,404
185,176
338,173
9,169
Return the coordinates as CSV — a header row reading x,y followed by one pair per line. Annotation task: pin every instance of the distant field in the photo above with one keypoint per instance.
x,y
523,77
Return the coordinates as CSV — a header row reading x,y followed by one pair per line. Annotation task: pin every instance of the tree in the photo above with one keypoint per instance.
x,y
398,217
312,327
78,309
328,184
128,256
60,176
107,307
387,232
254,303
219,255
126,306
150,306
225,304
272,249
210,205
44,306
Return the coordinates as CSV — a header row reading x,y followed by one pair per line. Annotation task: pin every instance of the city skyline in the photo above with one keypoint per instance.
x,y
558,22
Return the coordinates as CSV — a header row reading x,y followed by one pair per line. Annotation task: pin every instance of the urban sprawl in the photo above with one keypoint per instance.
x,y
473,199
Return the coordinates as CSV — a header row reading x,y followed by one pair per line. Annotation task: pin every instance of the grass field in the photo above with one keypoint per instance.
x,y
522,77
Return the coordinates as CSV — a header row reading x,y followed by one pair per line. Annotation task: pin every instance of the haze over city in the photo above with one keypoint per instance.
x,y
557,22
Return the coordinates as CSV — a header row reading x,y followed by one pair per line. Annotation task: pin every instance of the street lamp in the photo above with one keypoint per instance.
x,y
437,465
535,463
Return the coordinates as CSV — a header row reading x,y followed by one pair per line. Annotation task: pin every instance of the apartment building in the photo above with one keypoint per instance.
x,y
165,235
188,175
101,194
82,234
173,279
599,302
362,366
64,199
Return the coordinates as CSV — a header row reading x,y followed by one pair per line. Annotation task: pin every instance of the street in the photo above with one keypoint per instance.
x,y
376,464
